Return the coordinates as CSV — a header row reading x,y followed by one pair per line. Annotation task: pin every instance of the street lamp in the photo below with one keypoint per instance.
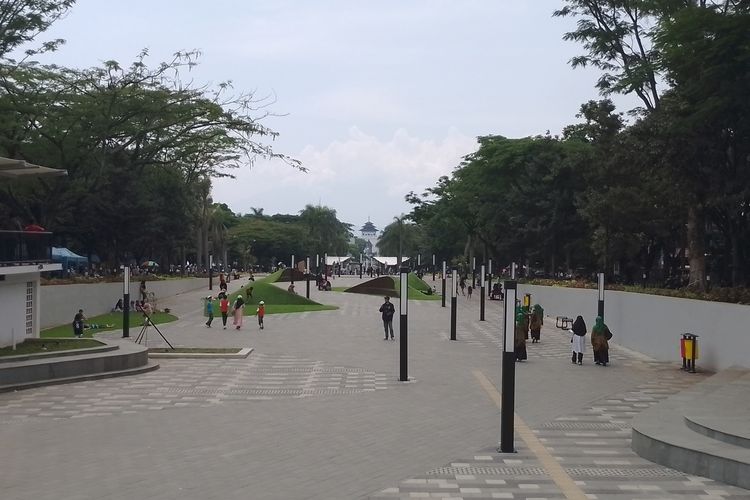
x,y
126,302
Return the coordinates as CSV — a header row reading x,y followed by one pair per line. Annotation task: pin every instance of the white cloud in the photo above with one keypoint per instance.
x,y
360,176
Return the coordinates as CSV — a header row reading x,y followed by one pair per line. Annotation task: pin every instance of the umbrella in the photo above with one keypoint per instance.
x,y
149,263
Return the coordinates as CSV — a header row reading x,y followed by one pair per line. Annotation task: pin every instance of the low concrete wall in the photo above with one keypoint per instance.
x,y
59,303
653,324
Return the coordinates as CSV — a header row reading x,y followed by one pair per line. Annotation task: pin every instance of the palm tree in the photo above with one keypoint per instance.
x,y
327,233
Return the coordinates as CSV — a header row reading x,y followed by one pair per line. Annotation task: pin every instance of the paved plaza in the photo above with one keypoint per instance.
x,y
317,412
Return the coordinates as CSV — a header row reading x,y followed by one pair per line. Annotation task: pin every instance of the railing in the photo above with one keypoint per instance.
x,y
25,247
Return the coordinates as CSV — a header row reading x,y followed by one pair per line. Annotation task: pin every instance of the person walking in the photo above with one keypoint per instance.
x,y
462,284
600,335
224,308
142,290
519,337
387,310
261,313
210,310
78,320
237,310
579,332
469,289
536,322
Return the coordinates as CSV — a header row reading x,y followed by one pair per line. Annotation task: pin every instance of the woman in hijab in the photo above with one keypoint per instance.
x,y
519,337
536,322
600,334
237,311
579,332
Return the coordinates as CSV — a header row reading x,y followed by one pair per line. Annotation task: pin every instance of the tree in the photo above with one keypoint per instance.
x,y
401,238
326,234
22,20
115,129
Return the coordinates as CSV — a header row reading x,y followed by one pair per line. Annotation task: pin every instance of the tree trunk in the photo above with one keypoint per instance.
x,y
696,236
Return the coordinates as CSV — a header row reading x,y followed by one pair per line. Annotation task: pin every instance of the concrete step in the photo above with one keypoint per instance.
x,y
150,366
703,430
125,358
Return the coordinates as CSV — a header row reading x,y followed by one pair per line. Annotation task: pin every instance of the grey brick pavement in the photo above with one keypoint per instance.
x,y
316,412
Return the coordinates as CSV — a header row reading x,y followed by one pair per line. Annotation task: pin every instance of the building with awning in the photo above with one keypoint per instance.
x,y
24,255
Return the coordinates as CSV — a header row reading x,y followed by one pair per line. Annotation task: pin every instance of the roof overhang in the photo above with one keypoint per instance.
x,y
16,169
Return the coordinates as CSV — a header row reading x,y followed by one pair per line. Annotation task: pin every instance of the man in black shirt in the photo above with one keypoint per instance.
x,y
388,311
78,324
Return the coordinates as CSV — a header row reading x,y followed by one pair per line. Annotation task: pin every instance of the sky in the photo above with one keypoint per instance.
x,y
376,99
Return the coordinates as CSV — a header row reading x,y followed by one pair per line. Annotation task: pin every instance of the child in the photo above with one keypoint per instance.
x,y
224,308
210,310
261,311
470,289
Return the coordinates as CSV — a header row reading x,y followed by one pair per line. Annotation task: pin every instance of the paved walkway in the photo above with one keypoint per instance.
x,y
316,412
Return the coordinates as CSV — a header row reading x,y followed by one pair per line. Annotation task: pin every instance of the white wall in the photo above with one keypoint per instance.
x,y
13,307
59,303
653,324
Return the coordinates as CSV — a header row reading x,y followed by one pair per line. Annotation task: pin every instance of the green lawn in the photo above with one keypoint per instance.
x,y
417,288
35,346
277,300
106,322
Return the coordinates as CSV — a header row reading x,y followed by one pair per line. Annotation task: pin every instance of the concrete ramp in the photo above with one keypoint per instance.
x,y
704,430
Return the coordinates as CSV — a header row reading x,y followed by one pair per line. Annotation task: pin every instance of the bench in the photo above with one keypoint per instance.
x,y
564,322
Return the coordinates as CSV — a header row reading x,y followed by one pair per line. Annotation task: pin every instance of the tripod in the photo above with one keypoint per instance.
x,y
143,335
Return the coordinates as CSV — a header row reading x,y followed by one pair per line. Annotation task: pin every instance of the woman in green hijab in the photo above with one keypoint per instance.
x,y
600,334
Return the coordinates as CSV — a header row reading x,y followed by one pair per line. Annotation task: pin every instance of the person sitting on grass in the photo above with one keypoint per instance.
x,y
290,289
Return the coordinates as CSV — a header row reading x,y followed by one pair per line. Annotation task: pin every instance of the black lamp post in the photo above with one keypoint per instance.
x,y
210,271
126,302
454,303
307,277
404,324
443,295
481,294
508,369
600,304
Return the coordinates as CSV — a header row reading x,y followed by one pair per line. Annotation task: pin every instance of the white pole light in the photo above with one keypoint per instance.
x,y
454,285
510,318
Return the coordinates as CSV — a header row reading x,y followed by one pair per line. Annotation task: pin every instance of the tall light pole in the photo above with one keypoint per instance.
x,y
454,303
443,295
473,271
403,332
481,294
508,369
291,271
210,271
126,302
307,277
600,305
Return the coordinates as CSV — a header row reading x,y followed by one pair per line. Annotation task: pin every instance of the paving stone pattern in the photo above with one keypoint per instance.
x,y
316,412
183,383
592,445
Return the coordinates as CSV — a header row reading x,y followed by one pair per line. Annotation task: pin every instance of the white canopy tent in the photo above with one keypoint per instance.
x,y
390,261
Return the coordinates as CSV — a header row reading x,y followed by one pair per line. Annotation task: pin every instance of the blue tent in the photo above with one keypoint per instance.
x,y
67,258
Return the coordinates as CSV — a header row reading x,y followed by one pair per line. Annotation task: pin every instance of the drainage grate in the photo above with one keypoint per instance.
x,y
494,471
582,426
625,472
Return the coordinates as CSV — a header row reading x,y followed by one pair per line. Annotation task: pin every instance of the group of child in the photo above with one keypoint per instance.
x,y
237,310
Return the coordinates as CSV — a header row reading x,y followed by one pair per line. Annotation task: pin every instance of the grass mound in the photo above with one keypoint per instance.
x,y
276,299
384,285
